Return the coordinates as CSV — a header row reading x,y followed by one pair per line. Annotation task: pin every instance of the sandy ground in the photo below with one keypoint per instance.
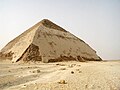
x,y
51,76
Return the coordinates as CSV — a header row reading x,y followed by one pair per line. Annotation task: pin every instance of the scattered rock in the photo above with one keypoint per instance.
x,y
72,72
21,68
77,69
80,71
79,65
62,82
24,85
62,68
35,83
38,71
9,71
28,67
62,64
71,65
57,64
86,86
33,71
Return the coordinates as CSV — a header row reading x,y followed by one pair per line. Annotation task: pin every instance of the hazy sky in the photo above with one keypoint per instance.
x,y
97,22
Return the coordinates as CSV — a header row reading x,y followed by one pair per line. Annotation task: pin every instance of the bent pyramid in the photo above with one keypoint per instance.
x,y
47,42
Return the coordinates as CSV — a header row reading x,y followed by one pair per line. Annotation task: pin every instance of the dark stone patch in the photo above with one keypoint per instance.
x,y
62,58
6,55
51,25
31,54
91,59
79,58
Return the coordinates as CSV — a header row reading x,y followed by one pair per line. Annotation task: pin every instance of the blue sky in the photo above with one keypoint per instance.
x,y
97,22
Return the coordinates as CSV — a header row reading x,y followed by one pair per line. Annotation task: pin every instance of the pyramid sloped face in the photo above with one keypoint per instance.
x,y
17,46
56,45
48,42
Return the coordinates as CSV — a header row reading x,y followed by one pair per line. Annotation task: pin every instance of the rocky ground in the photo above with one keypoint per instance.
x,y
104,75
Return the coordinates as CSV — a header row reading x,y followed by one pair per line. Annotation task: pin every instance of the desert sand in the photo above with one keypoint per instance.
x,y
71,75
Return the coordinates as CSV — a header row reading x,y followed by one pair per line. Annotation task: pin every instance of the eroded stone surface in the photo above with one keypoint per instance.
x,y
51,25
6,55
31,54
47,42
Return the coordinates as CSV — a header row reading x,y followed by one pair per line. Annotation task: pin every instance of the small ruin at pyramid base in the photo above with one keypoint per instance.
x,y
48,42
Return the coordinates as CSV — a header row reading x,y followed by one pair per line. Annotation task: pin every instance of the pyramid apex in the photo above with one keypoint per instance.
x,y
45,20
49,24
